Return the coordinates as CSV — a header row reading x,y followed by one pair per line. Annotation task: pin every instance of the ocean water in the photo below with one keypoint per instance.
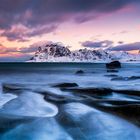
x,y
32,107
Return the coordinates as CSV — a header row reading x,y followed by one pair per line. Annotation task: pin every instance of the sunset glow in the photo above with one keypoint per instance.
x,y
25,22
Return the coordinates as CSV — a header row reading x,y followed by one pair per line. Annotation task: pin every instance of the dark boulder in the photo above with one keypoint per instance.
x,y
111,75
80,72
55,98
112,71
128,92
62,85
134,78
90,91
60,99
114,64
120,78
130,112
14,88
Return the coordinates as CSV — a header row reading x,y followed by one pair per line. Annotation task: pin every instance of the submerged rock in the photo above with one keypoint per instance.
x,y
120,78
61,85
128,92
91,91
111,75
129,110
80,72
61,99
6,88
101,93
54,98
112,71
134,78
114,64
85,122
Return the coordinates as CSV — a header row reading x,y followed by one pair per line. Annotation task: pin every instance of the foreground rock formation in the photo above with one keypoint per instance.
x,y
51,102
79,115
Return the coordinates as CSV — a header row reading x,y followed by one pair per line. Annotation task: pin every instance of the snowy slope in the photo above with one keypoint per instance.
x,y
58,53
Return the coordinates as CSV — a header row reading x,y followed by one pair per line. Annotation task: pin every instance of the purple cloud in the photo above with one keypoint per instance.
x,y
27,50
35,14
4,50
22,33
18,50
126,47
97,44
13,54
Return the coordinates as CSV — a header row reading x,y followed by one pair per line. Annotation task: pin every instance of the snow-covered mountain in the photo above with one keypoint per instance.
x,y
59,53
125,56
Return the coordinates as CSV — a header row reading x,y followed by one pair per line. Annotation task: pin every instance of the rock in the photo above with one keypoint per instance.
x,y
80,72
90,91
55,98
128,92
112,71
120,78
134,78
114,64
60,99
130,112
13,87
111,75
62,85
101,93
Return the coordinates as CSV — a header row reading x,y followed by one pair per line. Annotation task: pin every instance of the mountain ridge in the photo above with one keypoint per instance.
x,y
58,53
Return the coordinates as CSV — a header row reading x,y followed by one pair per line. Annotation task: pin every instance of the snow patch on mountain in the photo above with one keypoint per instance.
x,y
58,53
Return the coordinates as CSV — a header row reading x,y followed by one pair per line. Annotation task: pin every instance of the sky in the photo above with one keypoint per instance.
x,y
100,24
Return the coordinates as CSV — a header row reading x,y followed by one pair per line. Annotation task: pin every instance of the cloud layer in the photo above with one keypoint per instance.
x,y
37,17
109,45
25,53
20,20
97,44
126,47
17,54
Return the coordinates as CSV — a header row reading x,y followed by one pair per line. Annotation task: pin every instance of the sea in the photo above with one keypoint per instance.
x,y
69,101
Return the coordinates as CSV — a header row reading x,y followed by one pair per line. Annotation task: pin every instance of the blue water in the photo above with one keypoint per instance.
x,y
26,115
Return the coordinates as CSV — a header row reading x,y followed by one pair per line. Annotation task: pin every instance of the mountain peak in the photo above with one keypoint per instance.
x,y
53,52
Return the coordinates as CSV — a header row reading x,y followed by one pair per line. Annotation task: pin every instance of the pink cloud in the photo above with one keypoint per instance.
x,y
127,8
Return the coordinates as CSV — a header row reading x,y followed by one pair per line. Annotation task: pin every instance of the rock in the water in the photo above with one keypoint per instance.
x,y
91,91
80,72
120,78
111,75
112,71
13,87
55,98
134,78
62,85
128,92
130,112
114,64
